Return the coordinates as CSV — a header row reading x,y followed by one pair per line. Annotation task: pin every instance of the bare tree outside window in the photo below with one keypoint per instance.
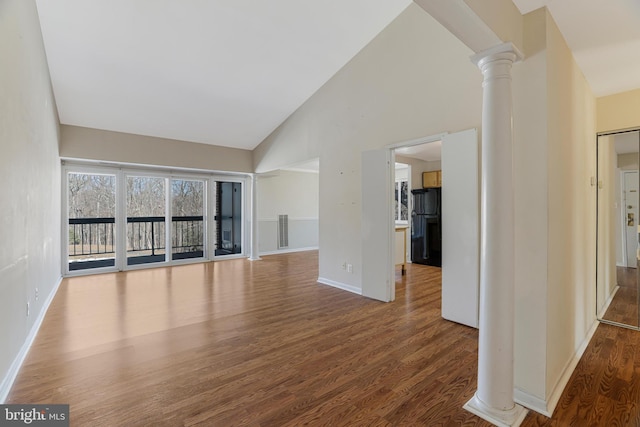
x,y
92,223
91,211
187,209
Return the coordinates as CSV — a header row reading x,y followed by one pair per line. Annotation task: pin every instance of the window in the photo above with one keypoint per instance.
x,y
91,209
402,200
118,218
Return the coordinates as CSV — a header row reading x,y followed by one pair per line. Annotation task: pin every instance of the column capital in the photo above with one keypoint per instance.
x,y
505,51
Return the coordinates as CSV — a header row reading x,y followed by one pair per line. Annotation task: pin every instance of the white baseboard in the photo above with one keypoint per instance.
x,y
288,251
339,285
10,377
530,401
547,407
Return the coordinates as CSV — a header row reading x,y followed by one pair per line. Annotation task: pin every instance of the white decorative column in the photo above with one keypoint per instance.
x,y
254,218
493,401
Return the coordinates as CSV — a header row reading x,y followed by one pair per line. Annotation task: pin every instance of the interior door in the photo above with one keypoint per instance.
x,y
377,226
461,228
630,193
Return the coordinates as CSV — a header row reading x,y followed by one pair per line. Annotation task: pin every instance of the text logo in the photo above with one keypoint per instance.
x,y
34,415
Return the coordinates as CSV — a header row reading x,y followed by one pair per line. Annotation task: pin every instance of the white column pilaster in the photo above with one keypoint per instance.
x,y
254,218
493,400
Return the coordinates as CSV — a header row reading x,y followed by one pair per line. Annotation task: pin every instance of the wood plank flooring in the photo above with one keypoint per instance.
x,y
624,306
262,344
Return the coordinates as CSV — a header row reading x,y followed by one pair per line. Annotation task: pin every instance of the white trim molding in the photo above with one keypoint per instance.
x,y
343,286
289,251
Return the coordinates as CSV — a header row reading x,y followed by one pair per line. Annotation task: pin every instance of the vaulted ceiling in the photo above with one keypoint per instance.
x,y
228,72
223,72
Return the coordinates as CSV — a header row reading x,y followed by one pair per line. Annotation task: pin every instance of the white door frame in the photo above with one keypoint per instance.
x,y
623,216
391,287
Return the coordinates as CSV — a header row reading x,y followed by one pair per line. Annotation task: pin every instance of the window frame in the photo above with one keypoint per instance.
x,y
121,172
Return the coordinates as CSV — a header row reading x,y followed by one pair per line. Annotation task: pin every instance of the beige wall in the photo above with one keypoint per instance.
x,y
393,90
95,144
571,246
30,190
530,153
619,111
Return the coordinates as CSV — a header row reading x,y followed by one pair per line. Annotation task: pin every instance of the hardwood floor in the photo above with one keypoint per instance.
x,y
604,390
624,306
262,344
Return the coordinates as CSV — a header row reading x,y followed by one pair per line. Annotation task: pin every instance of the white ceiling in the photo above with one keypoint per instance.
x,y
228,72
428,152
604,36
223,72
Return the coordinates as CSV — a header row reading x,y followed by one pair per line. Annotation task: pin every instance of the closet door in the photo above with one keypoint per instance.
x,y
617,242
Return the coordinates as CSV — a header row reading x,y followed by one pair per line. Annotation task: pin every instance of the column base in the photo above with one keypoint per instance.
x,y
510,418
255,259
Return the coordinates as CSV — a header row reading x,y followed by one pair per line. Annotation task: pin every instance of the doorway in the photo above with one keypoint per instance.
x,y
460,224
617,293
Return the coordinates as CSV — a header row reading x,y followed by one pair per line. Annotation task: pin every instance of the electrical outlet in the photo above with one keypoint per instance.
x,y
349,268
36,294
344,265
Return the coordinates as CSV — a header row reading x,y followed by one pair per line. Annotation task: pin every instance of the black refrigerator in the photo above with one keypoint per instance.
x,y
426,227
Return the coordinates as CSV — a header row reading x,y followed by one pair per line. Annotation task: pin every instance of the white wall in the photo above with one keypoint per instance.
x,y
30,176
289,193
394,90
